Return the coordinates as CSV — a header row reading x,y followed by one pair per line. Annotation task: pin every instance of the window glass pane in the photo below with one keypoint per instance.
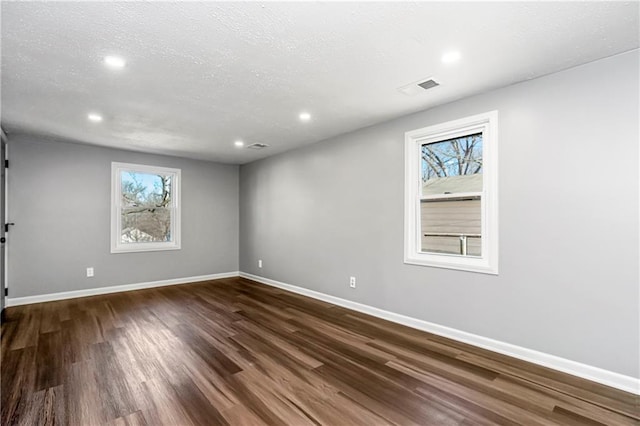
x,y
146,207
451,226
452,166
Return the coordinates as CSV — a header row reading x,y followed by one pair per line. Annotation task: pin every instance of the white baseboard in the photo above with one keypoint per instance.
x,y
16,301
595,374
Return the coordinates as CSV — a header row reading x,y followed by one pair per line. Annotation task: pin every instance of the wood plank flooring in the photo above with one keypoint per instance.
x,y
235,352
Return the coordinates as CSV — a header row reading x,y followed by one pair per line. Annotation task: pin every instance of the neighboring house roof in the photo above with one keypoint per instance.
x,y
453,184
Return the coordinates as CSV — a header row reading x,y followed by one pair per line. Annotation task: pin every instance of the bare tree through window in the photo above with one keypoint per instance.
x,y
146,207
453,157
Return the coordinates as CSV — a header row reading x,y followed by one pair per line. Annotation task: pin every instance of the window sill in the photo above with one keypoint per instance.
x,y
144,248
458,263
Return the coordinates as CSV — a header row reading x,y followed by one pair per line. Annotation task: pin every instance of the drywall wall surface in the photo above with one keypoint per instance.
x,y
60,201
568,181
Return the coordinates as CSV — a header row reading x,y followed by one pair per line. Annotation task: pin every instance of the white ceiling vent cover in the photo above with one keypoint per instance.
x,y
419,86
258,146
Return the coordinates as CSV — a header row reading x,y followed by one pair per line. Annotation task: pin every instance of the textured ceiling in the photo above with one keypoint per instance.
x,y
201,75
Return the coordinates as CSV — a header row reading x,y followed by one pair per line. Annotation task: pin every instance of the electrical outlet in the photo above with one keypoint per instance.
x,y
352,282
90,272
260,263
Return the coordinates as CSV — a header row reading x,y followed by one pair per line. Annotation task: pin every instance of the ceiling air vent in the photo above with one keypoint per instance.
x,y
258,146
426,85
416,87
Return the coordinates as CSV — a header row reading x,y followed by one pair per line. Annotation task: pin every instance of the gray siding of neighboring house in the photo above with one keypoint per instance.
x,y
451,217
458,217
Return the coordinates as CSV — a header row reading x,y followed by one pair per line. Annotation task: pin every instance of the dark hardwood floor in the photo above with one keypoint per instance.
x,y
237,352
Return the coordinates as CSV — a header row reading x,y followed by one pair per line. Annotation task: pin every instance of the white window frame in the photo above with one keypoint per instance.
x,y
487,124
116,205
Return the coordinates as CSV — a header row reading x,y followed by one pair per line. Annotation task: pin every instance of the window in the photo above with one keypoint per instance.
x,y
451,195
145,208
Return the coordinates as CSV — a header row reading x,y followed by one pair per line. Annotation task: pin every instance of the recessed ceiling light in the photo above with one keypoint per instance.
x,y
451,57
304,116
115,62
239,144
96,118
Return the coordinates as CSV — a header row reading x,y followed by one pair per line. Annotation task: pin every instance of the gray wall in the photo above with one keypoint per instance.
x,y
568,282
60,195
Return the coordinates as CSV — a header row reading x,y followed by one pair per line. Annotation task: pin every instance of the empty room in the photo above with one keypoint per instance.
x,y
320,213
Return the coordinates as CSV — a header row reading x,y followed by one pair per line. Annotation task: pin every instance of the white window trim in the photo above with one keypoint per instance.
x,y
116,218
486,123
